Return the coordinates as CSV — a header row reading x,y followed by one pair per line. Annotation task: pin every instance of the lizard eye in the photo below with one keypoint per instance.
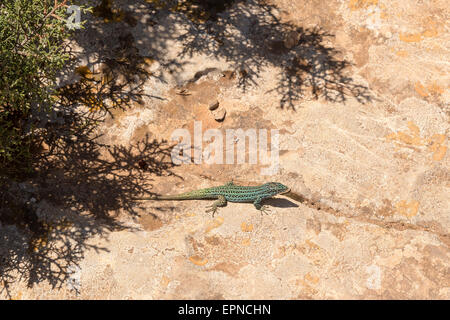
x,y
274,186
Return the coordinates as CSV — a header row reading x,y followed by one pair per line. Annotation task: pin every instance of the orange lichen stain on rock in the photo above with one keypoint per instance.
x,y
198,260
361,4
311,278
217,222
402,53
431,88
431,30
440,153
410,37
435,142
84,72
420,89
414,128
384,15
246,227
146,64
408,210
17,297
165,281
246,242
148,61
413,138
430,33
436,146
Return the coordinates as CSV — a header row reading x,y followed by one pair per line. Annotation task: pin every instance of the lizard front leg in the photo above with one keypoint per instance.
x,y
259,206
220,202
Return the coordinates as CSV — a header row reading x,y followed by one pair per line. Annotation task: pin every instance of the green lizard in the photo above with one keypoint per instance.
x,y
230,192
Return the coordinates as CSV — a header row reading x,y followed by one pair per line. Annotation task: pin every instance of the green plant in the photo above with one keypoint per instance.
x,y
32,35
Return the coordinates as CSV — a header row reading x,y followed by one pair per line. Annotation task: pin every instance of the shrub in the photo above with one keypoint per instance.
x,y
32,34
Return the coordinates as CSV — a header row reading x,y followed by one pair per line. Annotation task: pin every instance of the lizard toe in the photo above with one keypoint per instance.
x,y
265,209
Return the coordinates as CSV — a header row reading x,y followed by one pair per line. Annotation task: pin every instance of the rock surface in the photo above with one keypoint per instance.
x,y
361,102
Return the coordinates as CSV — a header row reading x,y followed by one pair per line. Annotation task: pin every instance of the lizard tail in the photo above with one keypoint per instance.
x,y
174,197
196,195
147,198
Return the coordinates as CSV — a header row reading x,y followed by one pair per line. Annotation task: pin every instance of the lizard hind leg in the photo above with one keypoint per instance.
x,y
220,202
259,206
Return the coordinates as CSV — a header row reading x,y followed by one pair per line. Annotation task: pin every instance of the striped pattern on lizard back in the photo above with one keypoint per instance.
x,y
231,192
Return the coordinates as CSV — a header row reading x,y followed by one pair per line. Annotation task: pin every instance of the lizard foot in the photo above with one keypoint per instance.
x,y
212,209
221,202
265,209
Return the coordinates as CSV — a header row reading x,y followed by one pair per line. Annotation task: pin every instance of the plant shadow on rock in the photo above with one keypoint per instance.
x,y
251,37
79,189
79,186
246,34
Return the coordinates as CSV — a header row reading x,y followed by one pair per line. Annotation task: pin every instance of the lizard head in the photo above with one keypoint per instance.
x,y
277,188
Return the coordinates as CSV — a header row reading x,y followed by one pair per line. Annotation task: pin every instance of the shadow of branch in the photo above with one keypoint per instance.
x,y
250,37
79,187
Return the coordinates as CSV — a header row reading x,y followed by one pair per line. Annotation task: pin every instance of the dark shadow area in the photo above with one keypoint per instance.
x,y
280,203
36,248
78,187
78,190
